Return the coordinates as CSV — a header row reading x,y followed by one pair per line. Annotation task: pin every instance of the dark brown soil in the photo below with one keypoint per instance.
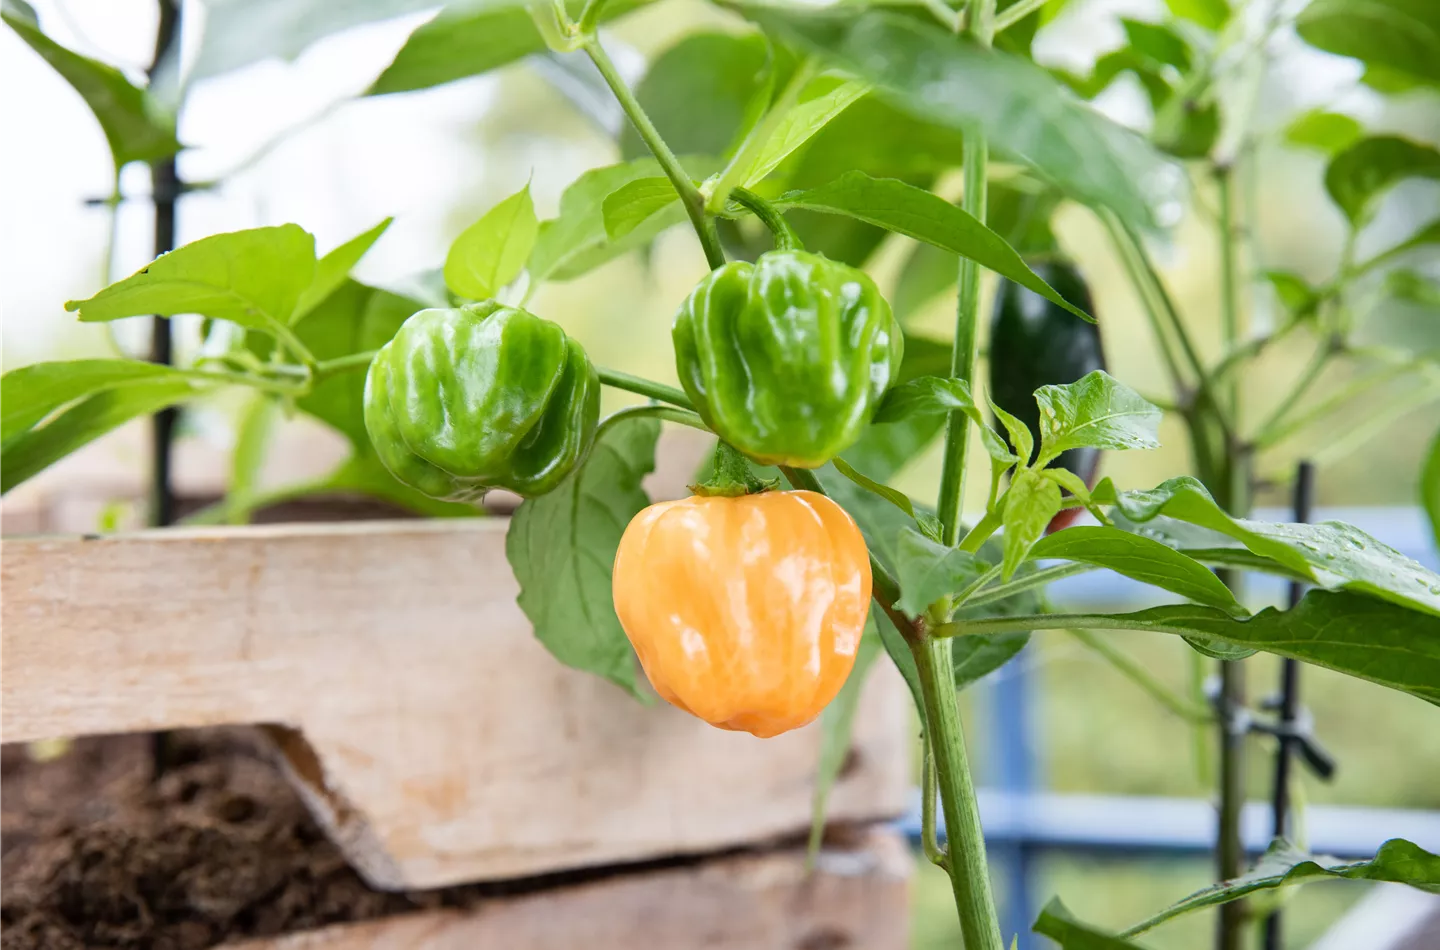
x,y
96,853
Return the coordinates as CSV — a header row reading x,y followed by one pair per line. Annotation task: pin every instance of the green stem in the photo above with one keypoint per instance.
x,y
1323,353
785,237
1029,582
669,413
689,195
1229,290
343,364
643,387
737,171
1152,312
1016,12
245,379
291,342
1134,671
1281,430
965,847
1250,349
977,535
929,842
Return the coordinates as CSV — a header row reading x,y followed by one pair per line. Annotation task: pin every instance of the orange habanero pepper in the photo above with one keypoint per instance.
x,y
746,611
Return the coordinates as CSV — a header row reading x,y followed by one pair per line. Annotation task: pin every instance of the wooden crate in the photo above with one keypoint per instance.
x,y
434,738
856,898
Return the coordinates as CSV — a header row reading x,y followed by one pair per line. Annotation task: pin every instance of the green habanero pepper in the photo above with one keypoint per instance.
x,y
485,396
787,358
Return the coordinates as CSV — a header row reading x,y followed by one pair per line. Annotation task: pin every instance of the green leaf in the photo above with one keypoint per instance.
x,y
1413,287
884,141
1330,554
1057,923
974,658
1401,36
886,448
252,278
1157,43
1028,505
633,203
1021,441
821,101
31,393
1430,487
837,724
332,269
33,451
1324,131
1424,236
252,443
353,319
1096,410
900,655
928,273
562,548
492,251
899,499
1362,173
1211,14
1390,82
928,571
925,70
935,395
1351,633
136,126
1294,291
1142,559
1283,865
700,93
920,214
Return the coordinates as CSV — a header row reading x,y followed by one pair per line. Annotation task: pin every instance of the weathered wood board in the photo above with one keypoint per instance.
x,y
856,898
437,741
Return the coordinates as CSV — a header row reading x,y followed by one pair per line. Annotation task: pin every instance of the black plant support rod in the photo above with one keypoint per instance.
x,y
1289,702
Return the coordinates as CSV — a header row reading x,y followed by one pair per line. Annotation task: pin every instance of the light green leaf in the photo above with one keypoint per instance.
x,y
899,499
492,251
136,126
928,571
1020,438
634,202
1330,554
1294,291
1211,14
917,213
1057,923
252,278
822,101
1324,131
1358,176
936,395
924,69
31,393
1027,507
1390,82
562,549
1413,287
1096,410
33,451
1430,487
1401,36
332,269
837,724
1142,559
1283,865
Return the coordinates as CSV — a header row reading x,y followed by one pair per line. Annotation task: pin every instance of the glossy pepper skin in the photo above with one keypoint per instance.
x,y
1035,343
787,358
745,612
485,396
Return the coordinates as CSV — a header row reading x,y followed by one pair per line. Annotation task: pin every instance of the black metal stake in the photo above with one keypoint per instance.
x,y
1289,702
164,191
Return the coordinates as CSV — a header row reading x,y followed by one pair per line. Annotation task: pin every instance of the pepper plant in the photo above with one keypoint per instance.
x,y
746,603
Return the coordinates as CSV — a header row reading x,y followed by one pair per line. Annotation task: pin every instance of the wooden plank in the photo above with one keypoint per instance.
x,y
433,735
856,898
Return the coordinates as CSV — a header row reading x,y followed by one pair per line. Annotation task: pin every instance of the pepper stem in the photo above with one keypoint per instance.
x,y
732,476
771,217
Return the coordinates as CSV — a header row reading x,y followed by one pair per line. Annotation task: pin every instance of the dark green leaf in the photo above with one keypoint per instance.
x,y
699,93
1057,923
1399,35
462,40
31,393
1157,43
920,214
1430,488
33,451
630,205
253,278
1096,410
1283,865
1324,131
1142,559
837,724
923,69
977,657
1330,554
928,571
136,126
332,269
935,395
562,548
1211,14
1028,505
1362,173
492,251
